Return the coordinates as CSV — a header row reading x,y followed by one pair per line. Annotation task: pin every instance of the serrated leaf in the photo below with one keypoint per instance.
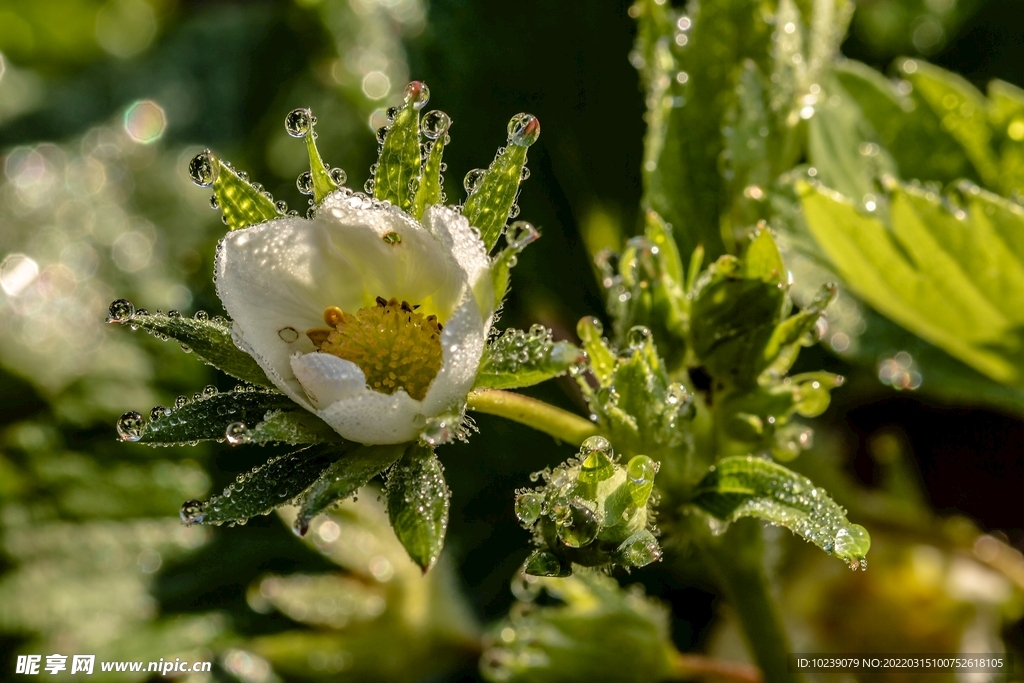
x,y
265,417
418,500
488,207
955,279
240,203
210,340
746,486
399,162
271,485
343,479
522,359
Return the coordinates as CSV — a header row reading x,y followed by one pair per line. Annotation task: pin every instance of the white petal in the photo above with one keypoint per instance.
x,y
462,345
468,262
278,275
327,379
409,269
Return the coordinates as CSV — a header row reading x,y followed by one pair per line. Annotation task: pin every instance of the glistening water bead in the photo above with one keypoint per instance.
x,y
417,94
298,122
473,180
435,124
203,169
130,426
305,183
523,130
120,311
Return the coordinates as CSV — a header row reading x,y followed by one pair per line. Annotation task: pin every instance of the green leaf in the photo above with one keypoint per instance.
x,y
240,202
746,486
209,339
682,181
418,500
522,359
1006,115
961,109
293,426
906,126
208,416
763,260
275,483
342,479
955,279
323,183
399,163
519,236
491,198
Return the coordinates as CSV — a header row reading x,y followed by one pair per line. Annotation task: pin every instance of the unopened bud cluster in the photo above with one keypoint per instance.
x,y
592,510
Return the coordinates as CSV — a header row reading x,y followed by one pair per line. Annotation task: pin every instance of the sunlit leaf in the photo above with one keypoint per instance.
x,y
753,487
207,417
521,359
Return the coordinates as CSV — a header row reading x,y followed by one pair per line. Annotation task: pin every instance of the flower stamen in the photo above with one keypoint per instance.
x,y
394,346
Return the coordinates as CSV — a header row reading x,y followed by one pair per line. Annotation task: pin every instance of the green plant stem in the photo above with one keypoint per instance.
x,y
736,560
543,417
686,667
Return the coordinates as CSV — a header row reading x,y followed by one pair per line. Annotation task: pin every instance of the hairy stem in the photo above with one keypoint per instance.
x,y
543,417
736,559
688,667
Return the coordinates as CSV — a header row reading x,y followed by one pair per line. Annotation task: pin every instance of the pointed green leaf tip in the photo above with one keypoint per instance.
x,y
320,180
746,486
492,193
241,203
522,359
397,175
418,500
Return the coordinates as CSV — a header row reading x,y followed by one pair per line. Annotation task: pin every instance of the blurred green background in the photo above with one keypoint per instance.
x,y
101,106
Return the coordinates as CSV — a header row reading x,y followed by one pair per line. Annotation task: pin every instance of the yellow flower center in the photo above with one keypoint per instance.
x,y
394,346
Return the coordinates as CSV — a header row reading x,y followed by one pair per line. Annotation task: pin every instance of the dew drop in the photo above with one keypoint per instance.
x,y
473,180
520,234
236,434
120,311
339,176
281,206
528,507
382,134
435,124
305,183
368,186
298,122
417,94
580,528
202,169
524,174
130,426
192,512
158,412
638,336
523,130
214,202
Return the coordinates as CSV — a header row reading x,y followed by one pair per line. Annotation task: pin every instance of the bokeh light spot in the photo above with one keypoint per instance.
x,y
145,121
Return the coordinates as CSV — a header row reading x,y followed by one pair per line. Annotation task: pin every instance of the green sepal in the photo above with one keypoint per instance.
x,y
519,236
418,499
323,183
602,359
342,479
275,483
430,189
207,417
487,207
240,203
521,359
210,340
398,166
746,486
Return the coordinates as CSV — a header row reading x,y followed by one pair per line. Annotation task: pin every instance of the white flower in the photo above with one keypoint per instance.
x,y
362,315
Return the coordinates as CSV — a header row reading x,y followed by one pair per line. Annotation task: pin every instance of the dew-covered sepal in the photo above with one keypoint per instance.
x,y
245,415
418,500
397,173
277,482
521,359
342,479
492,192
592,510
208,338
241,203
589,629
635,402
519,235
746,486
